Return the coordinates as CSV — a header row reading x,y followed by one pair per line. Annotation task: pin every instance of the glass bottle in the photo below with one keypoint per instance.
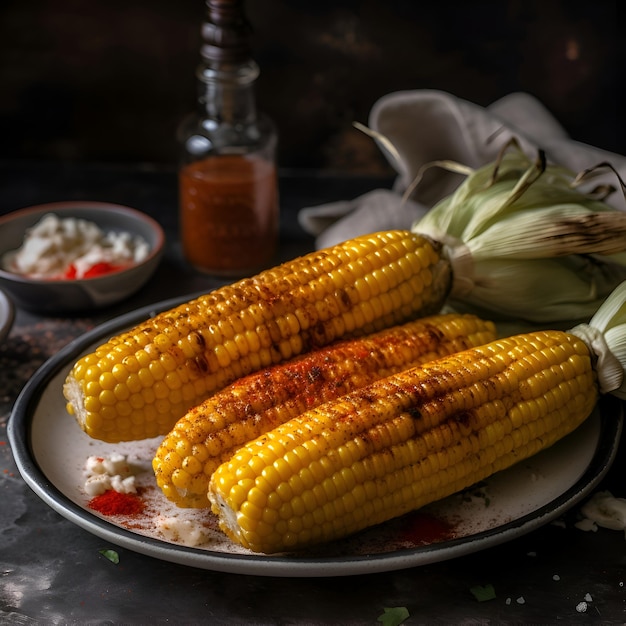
x,y
228,182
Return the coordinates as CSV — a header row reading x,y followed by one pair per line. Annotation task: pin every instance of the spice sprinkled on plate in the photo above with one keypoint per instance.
x,y
112,502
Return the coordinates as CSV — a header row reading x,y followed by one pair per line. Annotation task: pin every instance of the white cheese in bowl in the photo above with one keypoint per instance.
x,y
57,248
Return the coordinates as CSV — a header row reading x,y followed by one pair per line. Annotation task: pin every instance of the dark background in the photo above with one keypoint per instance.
x,y
110,80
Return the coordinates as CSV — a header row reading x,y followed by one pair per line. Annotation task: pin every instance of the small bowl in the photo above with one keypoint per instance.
x,y
72,295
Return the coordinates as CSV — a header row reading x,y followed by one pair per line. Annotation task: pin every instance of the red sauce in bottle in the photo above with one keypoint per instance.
x,y
229,213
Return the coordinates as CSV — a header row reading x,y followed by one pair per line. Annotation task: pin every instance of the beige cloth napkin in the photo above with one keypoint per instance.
x,y
428,125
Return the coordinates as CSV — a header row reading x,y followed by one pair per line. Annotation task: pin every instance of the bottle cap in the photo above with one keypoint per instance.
x,y
226,32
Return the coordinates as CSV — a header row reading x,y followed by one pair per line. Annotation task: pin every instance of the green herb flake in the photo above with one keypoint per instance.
x,y
112,555
394,616
483,593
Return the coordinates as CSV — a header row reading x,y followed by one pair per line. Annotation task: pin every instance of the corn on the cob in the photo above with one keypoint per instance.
x,y
211,432
138,384
404,441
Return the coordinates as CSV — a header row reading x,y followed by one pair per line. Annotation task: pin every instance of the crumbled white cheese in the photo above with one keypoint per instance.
x,y
114,465
581,607
181,531
52,245
556,577
95,485
104,473
604,510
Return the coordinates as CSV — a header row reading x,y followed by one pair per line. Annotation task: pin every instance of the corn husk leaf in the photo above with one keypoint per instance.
x,y
605,334
526,243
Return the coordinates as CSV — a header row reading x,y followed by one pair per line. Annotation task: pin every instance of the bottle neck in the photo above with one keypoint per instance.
x,y
227,121
226,92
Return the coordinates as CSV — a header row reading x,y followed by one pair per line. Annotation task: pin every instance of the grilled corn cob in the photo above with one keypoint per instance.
x,y
413,438
211,432
138,384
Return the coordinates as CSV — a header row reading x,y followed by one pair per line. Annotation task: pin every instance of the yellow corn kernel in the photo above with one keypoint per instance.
x,y
281,312
253,405
407,440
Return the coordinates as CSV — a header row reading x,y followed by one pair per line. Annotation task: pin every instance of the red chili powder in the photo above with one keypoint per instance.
x,y
424,529
112,502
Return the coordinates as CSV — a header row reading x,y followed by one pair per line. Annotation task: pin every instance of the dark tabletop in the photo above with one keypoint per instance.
x,y
52,572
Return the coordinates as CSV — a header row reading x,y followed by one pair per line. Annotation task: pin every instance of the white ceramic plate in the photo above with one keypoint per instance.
x,y
7,314
50,451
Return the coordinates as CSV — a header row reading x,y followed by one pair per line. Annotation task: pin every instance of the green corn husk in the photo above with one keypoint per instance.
x,y
526,243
